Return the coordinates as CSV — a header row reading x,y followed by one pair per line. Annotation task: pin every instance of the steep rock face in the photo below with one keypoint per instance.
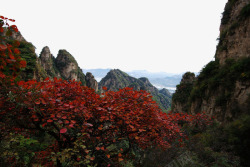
x,y
224,105
117,79
180,97
67,65
91,82
47,61
222,88
234,31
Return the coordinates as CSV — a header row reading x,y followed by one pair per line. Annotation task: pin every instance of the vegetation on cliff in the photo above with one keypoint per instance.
x,y
214,78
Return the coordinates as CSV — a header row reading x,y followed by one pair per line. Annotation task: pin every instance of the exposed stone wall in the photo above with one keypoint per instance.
x,y
235,33
91,82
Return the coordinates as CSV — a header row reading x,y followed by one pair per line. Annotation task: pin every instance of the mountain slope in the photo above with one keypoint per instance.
x,y
117,79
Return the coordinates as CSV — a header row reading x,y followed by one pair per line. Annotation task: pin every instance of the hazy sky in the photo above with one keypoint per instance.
x,y
155,35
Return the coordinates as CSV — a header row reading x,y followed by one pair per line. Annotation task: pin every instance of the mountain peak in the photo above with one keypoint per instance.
x,y
48,63
117,79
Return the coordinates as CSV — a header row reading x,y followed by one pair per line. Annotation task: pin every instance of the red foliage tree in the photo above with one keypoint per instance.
x,y
10,59
83,125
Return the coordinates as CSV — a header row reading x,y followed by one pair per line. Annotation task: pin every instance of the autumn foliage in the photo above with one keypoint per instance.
x,y
82,127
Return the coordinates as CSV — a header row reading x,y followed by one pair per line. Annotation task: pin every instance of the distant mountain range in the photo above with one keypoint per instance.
x,y
159,79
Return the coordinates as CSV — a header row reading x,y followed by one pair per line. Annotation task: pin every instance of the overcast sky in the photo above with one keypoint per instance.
x,y
156,35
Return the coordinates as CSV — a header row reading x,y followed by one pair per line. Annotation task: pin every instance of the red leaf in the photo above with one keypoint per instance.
x,y
49,120
37,102
12,20
64,130
104,88
22,63
16,43
14,28
16,51
3,47
11,56
43,101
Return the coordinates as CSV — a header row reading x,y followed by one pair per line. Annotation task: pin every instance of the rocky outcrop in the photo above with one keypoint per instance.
x,y
117,79
188,78
14,35
18,36
91,82
180,97
47,61
67,65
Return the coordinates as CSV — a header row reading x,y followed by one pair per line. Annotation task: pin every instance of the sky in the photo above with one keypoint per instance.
x,y
170,36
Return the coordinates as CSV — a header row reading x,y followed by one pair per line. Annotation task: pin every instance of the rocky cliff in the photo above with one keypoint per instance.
x,y
222,88
117,79
234,31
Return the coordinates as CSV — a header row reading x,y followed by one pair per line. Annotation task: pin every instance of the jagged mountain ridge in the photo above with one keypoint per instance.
x,y
65,66
117,79
46,65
